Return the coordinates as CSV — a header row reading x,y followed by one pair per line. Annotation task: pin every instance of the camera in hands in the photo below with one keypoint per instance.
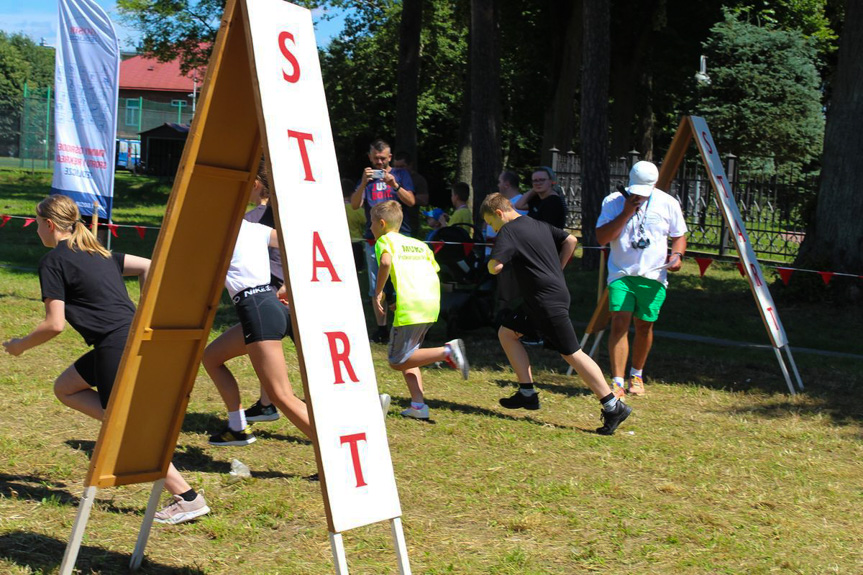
x,y
378,174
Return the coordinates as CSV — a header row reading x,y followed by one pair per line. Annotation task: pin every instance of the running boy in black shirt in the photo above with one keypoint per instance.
x,y
538,252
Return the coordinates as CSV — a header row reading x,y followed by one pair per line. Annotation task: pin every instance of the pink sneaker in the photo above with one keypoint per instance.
x,y
181,510
636,386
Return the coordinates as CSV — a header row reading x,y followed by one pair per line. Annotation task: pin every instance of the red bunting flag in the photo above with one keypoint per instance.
x,y
826,277
113,228
436,246
468,248
29,221
703,264
5,219
785,274
740,268
140,230
371,242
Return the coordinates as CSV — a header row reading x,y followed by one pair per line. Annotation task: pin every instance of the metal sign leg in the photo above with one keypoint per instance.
x,y
784,369
337,545
74,545
144,533
401,547
596,340
794,367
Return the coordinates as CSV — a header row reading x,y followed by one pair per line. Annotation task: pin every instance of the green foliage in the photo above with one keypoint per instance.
x,y
22,61
763,99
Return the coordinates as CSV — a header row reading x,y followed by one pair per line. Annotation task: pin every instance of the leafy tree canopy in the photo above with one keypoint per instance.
x,y
764,98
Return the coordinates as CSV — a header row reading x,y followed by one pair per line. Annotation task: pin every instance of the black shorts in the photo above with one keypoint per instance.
x,y
556,331
263,316
99,366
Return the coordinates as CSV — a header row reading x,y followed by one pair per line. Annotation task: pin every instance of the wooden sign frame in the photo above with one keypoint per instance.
x,y
695,127
182,292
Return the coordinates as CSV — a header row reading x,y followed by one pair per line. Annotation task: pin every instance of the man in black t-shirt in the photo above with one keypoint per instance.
x,y
542,201
537,253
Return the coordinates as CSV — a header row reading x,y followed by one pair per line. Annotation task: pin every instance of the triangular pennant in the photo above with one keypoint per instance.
x,y
436,246
785,274
113,228
141,230
740,268
703,264
468,248
29,221
371,242
5,219
826,277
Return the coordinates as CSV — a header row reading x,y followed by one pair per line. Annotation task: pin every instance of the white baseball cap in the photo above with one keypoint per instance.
x,y
642,178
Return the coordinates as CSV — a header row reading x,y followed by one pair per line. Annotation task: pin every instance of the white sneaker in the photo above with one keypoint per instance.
x,y
181,510
385,402
422,413
458,357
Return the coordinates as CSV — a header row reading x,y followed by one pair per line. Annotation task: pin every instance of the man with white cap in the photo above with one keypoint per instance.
x,y
637,223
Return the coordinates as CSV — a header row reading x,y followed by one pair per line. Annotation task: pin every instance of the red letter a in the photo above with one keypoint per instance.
x,y
324,262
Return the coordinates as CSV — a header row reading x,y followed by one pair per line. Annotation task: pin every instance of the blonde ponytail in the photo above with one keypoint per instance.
x,y
63,211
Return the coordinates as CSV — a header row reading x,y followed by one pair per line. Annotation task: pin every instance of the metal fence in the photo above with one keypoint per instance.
x,y
772,206
27,133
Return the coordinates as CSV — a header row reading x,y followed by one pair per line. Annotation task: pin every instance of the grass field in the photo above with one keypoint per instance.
x,y
717,471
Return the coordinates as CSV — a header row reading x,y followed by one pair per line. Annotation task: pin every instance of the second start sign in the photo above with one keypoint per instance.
x,y
335,357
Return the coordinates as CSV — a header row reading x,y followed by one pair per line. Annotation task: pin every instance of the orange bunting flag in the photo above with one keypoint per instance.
x,y
140,230
740,268
703,264
436,246
29,221
785,274
113,228
826,277
5,219
468,248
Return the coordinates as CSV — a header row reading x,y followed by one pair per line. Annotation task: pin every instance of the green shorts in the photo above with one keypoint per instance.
x,y
641,296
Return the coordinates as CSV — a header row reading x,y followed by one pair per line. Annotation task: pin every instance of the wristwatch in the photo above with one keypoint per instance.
x,y
678,253
398,187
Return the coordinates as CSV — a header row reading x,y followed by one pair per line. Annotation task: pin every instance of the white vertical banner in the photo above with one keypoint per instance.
x,y
86,86
734,221
357,474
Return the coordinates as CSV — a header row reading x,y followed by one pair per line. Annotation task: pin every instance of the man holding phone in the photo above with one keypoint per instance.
x,y
637,223
381,183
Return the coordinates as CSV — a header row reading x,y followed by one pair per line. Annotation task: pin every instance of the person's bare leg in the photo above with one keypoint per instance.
x,y
268,359
421,357
589,371
641,343
225,347
516,354
414,381
618,342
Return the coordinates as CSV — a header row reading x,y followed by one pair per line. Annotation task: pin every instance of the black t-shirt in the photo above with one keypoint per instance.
x,y
552,210
532,249
91,287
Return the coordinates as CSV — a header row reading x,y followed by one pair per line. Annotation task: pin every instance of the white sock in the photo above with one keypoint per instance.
x,y
417,406
635,372
618,381
612,403
237,420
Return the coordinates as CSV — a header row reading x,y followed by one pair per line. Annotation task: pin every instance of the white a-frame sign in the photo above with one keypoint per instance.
x,y
263,90
695,126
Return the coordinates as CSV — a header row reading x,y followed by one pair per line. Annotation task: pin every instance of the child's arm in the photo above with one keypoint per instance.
x,y
494,267
566,250
48,328
384,268
136,266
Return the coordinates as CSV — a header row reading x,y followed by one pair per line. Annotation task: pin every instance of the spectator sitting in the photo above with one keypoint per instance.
x,y
543,201
436,219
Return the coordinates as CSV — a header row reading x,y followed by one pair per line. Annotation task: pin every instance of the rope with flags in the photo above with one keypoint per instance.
x,y
784,272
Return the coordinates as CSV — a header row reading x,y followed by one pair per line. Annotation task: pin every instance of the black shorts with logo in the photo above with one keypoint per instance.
x,y
263,316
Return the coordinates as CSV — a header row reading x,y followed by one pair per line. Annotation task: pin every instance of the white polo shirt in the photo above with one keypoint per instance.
x,y
250,263
662,219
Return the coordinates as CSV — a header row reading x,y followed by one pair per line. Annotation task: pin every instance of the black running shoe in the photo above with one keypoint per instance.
x,y
611,419
259,412
520,400
231,437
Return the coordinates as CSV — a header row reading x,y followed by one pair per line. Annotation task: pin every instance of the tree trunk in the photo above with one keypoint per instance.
x,y
559,126
408,77
594,123
833,242
485,100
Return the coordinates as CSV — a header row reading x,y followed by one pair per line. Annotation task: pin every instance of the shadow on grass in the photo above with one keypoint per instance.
x,y
37,553
42,490
475,410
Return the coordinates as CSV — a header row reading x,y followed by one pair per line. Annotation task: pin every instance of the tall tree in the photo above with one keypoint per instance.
x,y
594,122
485,100
834,240
408,77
